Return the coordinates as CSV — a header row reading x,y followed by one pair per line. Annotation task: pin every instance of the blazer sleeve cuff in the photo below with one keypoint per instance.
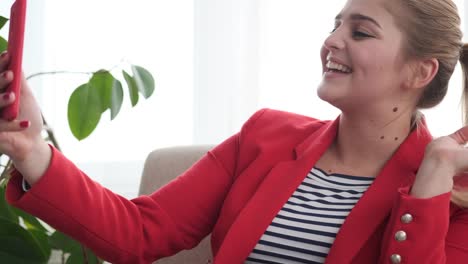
x,y
19,191
423,204
417,225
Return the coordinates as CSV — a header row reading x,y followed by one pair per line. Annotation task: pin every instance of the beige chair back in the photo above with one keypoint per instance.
x,y
163,165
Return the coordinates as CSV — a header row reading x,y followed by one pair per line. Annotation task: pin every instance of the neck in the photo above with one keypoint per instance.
x,y
367,143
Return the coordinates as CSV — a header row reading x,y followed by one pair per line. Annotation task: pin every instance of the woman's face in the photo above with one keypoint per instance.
x,y
362,59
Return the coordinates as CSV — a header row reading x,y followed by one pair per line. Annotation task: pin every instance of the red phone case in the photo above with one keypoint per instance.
x,y
15,50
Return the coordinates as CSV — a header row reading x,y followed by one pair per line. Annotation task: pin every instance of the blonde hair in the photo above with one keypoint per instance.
x,y
432,29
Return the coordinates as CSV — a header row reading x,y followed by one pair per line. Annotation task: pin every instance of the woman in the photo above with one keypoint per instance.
x,y
282,189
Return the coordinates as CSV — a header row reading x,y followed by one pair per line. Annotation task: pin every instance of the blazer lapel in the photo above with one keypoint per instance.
x,y
376,204
272,194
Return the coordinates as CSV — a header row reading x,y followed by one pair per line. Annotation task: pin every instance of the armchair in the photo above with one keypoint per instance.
x,y
160,167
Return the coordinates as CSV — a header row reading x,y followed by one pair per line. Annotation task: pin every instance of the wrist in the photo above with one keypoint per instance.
x,y
35,162
432,179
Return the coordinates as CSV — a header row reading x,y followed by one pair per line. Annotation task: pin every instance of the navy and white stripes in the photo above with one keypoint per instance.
x,y
306,226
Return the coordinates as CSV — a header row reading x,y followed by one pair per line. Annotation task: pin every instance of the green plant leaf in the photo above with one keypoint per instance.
x,y
132,88
30,221
7,258
84,111
110,91
59,240
3,21
144,81
116,98
77,257
3,44
6,211
65,243
102,81
42,240
16,242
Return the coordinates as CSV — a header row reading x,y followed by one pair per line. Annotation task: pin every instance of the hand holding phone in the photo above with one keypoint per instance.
x,y
15,50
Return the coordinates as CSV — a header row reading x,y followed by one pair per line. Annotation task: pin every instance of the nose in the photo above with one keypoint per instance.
x,y
335,40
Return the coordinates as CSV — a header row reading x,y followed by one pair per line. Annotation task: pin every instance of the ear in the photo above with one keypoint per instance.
x,y
423,73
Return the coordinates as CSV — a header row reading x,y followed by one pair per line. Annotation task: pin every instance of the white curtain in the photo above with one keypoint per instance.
x,y
226,67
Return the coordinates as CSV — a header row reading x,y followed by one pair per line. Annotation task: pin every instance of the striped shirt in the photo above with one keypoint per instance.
x,y
303,231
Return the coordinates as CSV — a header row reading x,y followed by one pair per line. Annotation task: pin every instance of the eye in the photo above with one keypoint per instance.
x,y
360,34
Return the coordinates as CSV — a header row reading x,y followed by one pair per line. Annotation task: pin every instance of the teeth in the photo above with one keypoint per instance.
x,y
335,66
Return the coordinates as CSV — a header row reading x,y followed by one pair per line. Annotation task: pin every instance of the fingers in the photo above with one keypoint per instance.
x,y
6,99
4,61
14,126
5,78
461,135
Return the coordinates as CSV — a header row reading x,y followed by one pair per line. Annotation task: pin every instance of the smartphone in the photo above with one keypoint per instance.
x,y
15,50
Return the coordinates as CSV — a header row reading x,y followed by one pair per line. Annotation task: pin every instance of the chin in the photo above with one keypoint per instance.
x,y
327,95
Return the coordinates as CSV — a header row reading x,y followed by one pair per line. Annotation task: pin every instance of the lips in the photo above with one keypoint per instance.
x,y
335,65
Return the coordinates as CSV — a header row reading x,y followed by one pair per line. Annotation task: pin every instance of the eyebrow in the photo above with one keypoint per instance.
x,y
360,17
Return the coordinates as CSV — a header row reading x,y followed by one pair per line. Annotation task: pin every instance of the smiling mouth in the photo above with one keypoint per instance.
x,y
337,67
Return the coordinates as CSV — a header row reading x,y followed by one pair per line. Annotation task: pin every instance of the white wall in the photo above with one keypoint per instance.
x,y
291,35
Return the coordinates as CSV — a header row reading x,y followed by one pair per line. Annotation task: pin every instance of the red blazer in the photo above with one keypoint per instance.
x,y
235,191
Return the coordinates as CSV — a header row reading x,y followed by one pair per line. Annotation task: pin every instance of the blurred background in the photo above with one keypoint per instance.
x,y
215,62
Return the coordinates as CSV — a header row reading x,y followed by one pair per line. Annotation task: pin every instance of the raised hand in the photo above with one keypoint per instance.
x,y
445,158
21,139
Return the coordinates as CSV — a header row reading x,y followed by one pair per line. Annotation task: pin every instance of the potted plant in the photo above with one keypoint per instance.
x,y
26,239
